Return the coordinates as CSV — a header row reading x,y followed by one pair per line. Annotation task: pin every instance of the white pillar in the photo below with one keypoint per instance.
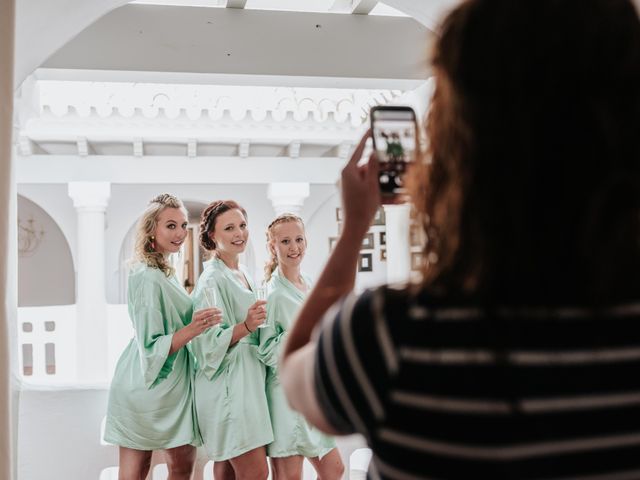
x,y
8,282
397,243
90,200
288,197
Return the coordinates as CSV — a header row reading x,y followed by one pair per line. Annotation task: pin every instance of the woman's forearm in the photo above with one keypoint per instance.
x,y
180,339
239,332
337,279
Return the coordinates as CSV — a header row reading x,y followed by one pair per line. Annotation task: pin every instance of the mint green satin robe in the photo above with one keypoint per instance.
x,y
231,403
151,395
292,434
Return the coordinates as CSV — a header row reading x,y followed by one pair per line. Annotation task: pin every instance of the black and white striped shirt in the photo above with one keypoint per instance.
x,y
449,390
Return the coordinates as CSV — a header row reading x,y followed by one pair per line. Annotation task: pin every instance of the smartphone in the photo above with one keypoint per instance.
x,y
394,130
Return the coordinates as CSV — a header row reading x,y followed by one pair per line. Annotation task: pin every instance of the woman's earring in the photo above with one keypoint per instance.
x,y
153,242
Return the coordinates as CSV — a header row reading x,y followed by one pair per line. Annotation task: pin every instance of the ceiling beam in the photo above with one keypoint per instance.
x,y
236,3
357,7
363,7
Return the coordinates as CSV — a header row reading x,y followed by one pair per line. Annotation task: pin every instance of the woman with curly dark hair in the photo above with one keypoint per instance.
x,y
517,355
231,401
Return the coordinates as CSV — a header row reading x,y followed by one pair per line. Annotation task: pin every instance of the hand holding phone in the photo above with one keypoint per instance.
x,y
394,131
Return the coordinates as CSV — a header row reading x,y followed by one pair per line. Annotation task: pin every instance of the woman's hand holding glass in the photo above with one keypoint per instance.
x,y
261,294
256,315
206,318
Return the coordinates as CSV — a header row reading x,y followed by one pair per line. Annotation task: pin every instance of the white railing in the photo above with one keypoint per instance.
x,y
56,412
47,342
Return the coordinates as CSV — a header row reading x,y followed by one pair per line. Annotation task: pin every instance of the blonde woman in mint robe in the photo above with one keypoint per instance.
x,y
231,402
294,438
151,395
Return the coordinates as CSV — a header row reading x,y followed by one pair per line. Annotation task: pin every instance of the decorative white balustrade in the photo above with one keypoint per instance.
x,y
56,412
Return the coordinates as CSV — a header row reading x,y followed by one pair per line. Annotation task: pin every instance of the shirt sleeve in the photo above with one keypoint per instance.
x,y
350,378
152,336
272,336
210,347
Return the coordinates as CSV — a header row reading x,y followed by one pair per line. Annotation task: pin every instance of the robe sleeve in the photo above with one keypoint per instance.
x,y
272,337
152,336
210,347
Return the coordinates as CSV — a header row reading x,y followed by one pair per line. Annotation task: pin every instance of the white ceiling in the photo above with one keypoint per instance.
x,y
44,26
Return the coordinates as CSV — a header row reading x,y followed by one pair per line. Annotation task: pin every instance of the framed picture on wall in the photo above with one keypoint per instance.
x,y
368,241
365,264
416,261
383,254
332,243
415,236
383,238
379,218
338,214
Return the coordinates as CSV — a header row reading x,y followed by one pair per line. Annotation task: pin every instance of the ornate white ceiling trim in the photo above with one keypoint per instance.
x,y
102,119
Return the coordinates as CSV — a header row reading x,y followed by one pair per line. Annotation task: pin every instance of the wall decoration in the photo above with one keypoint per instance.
x,y
368,241
332,243
383,255
338,214
30,234
415,236
365,264
379,218
416,261
383,238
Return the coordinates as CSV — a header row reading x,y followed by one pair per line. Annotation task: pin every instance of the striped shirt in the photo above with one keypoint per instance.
x,y
450,390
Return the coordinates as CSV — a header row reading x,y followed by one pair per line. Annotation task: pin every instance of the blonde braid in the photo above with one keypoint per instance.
x,y
272,263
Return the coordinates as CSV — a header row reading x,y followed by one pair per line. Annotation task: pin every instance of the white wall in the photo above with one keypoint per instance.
x,y
126,203
46,276
54,200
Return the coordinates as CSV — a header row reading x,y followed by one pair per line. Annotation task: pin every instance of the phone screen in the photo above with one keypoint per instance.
x,y
394,139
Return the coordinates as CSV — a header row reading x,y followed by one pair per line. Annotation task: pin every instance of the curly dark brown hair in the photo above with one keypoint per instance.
x,y
531,189
208,220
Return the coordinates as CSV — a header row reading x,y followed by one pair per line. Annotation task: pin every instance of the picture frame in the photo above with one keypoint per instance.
x,y
368,242
379,218
383,238
338,214
365,263
383,254
415,236
332,243
416,261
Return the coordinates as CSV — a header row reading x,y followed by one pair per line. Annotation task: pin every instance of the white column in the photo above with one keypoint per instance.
x,y
397,243
90,200
288,197
8,282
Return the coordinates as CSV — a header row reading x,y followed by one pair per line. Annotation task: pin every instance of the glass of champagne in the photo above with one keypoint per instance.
x,y
211,297
261,294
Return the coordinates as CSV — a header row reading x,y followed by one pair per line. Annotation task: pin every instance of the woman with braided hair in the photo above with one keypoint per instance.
x,y
294,438
231,403
151,395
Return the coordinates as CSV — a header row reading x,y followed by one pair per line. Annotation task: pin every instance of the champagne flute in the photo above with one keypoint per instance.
x,y
211,297
261,294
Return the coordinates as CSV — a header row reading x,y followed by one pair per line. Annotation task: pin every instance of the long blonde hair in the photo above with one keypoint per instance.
x,y
272,263
145,250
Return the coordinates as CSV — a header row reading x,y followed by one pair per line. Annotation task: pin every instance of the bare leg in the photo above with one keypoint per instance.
x,y
329,467
180,461
287,468
251,465
223,471
134,464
